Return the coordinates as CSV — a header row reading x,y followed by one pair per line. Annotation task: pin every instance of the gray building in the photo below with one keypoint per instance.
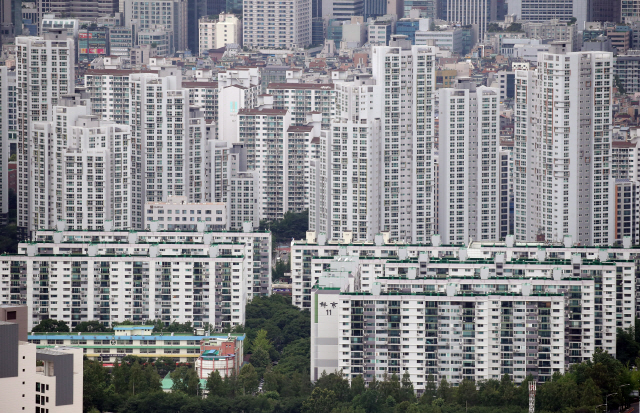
x,y
171,14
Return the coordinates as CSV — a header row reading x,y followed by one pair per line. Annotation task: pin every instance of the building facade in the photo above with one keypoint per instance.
x,y
561,155
198,277
285,25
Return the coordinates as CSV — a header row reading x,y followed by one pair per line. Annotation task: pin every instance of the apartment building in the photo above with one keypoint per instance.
x,y
36,380
627,69
136,340
201,277
234,185
237,89
8,120
506,282
204,95
554,29
44,72
307,254
278,151
179,214
405,82
218,33
302,99
346,172
627,211
282,25
170,14
469,190
562,157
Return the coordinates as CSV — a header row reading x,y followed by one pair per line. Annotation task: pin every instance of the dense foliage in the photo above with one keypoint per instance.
x,y
293,225
277,380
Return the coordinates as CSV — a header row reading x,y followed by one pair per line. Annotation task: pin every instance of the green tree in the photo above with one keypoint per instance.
x,y
248,379
466,394
185,380
444,391
321,401
94,385
216,386
92,327
357,386
51,326
430,391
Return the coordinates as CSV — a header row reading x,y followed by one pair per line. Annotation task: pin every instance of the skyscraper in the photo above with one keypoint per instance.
x,y
469,176
563,10
470,12
562,151
45,71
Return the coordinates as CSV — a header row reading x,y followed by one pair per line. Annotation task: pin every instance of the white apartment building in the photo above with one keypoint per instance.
x,y
502,279
45,71
109,275
215,34
563,183
179,214
281,25
238,89
204,95
302,99
404,98
469,177
443,335
279,152
110,92
170,14
346,173
54,386
8,121
232,184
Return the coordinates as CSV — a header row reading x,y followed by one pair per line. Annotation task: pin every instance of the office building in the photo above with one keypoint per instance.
x,y
562,156
44,72
286,25
629,10
84,10
477,13
554,30
469,189
201,277
607,10
93,43
170,14
217,33
540,11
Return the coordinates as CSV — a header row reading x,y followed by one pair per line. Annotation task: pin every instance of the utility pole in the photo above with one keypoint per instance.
x,y
532,397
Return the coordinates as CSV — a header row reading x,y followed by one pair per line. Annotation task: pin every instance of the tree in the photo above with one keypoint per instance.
x,y
444,391
92,327
185,380
94,385
430,391
466,393
216,386
51,326
248,379
321,401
